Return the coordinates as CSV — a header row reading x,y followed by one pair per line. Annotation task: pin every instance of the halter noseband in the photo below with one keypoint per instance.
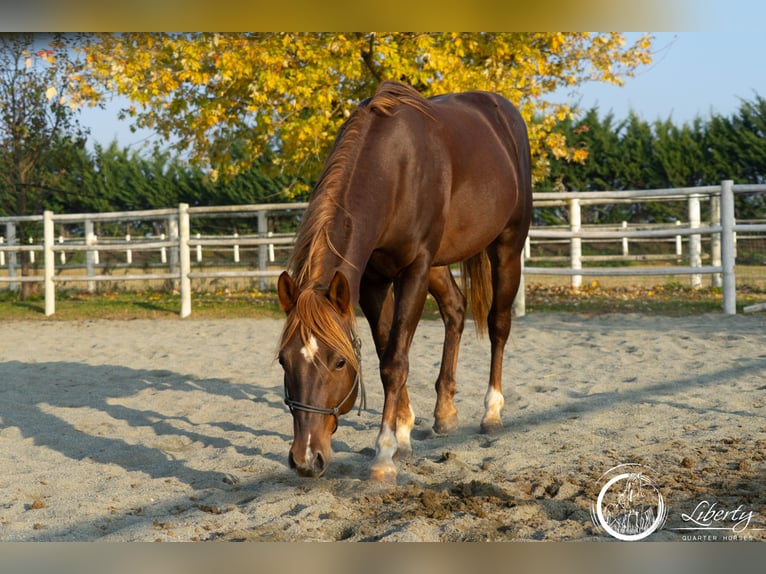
x,y
358,383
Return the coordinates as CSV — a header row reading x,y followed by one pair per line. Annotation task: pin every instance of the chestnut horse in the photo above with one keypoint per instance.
x,y
411,186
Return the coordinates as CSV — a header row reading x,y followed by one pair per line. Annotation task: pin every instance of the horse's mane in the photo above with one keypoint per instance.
x,y
313,241
391,94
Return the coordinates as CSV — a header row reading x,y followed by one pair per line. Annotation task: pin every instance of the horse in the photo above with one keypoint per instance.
x,y
411,186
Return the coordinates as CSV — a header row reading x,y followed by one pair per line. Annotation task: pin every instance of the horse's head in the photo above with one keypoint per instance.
x,y
319,353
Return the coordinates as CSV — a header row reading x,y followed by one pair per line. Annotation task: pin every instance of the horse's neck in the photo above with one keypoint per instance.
x,y
330,263
343,215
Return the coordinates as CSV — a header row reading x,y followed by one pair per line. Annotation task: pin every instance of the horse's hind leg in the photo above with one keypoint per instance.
x,y
452,308
506,276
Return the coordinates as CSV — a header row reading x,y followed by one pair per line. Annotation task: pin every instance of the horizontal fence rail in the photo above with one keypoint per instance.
x,y
179,248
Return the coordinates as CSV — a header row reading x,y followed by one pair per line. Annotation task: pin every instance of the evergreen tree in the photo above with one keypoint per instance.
x,y
633,154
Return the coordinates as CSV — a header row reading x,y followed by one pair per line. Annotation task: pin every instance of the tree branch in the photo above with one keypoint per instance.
x,y
369,59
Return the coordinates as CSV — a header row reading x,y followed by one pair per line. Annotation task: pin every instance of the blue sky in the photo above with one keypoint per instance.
x,y
693,74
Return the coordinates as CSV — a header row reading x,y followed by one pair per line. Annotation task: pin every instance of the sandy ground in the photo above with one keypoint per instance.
x,y
176,430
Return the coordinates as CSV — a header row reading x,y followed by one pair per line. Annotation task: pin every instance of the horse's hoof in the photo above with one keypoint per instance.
x,y
491,427
385,473
446,425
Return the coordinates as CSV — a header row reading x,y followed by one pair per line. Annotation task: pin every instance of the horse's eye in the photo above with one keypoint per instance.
x,y
340,364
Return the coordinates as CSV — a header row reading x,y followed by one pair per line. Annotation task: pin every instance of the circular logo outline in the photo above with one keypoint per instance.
x,y
643,478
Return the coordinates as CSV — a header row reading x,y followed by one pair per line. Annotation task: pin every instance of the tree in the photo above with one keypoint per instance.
x,y
679,156
37,122
225,100
740,150
36,117
737,144
633,154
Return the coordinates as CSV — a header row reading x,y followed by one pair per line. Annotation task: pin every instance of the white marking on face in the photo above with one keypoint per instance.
x,y
310,349
309,454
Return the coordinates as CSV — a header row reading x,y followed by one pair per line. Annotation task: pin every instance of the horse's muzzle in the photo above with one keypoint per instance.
x,y
313,468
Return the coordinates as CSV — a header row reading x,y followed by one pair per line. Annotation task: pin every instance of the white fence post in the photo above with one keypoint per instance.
x,y
90,256
50,263
10,233
2,253
727,248
174,236
695,241
263,250
128,252
184,258
715,238
236,249
163,251
62,254
575,222
520,301
625,248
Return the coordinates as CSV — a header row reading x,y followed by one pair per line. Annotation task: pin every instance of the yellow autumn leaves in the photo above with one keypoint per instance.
x,y
228,99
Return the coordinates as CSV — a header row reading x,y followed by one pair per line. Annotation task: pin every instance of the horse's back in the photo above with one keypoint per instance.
x,y
486,139
484,126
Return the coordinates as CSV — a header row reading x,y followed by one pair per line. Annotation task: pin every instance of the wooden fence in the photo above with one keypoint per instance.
x,y
179,247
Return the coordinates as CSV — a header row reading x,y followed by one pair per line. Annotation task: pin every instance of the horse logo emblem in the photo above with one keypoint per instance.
x,y
629,506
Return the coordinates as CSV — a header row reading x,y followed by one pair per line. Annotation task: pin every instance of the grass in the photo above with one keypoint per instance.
x,y
77,305
670,299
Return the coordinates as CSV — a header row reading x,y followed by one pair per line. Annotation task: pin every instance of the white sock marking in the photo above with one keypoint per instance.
x,y
493,404
404,428
386,444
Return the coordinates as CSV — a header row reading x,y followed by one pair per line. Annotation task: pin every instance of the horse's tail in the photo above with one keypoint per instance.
x,y
476,273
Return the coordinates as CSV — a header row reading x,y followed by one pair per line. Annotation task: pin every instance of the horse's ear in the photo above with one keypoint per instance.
x,y
288,292
339,292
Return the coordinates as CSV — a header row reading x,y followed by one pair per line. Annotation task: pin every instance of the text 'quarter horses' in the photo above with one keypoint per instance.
x,y
411,186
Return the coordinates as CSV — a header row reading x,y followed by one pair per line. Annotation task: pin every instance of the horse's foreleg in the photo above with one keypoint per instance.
x,y
506,275
377,303
411,288
452,308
